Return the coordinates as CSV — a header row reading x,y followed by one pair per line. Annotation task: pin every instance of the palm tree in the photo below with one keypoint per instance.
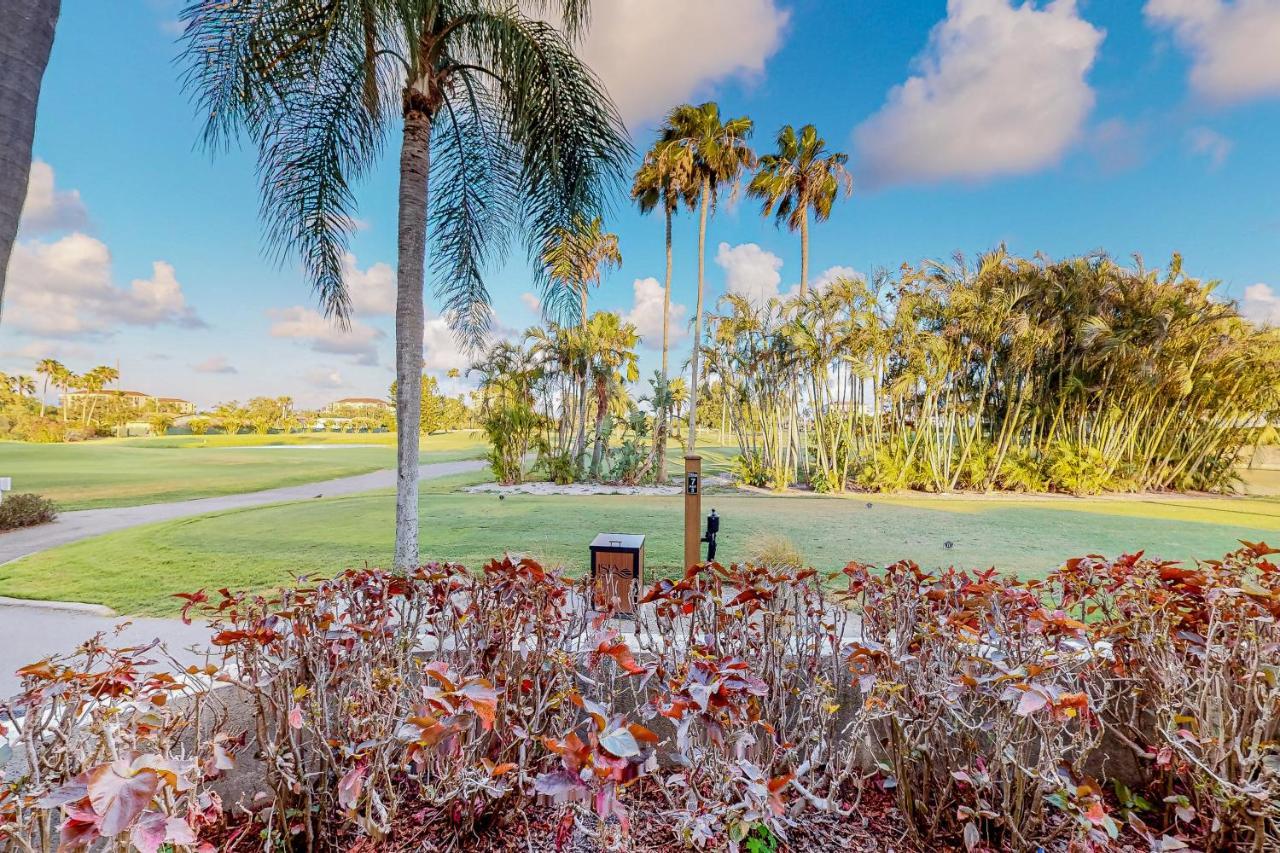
x,y
661,180
800,177
499,116
49,368
614,364
713,153
26,37
575,259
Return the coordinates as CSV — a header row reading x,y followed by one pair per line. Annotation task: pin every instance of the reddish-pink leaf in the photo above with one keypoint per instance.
x,y
1031,701
119,794
350,787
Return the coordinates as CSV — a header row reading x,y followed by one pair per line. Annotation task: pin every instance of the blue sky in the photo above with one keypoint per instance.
x,y
1144,127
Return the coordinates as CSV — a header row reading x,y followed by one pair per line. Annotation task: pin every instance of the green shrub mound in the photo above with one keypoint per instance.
x,y
25,510
1118,704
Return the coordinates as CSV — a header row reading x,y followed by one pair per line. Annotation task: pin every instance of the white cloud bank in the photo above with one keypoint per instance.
x,y
646,314
47,208
653,54
1261,304
1234,46
65,287
359,340
750,271
999,90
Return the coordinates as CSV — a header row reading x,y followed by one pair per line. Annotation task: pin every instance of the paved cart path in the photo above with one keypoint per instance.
x,y
30,632
81,524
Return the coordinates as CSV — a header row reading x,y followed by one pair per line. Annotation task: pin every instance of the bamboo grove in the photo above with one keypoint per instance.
x,y
1081,375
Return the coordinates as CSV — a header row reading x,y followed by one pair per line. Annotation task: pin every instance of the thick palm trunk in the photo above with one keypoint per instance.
x,y
26,37
602,409
692,447
660,434
415,162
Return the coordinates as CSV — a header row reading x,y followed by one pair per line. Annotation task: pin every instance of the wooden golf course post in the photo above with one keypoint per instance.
x,y
692,509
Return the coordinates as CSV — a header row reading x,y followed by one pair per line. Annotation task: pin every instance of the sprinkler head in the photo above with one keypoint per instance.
x,y
948,544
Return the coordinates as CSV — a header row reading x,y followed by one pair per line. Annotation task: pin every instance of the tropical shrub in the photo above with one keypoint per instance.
x,y
25,510
107,750
752,703
512,430
199,426
1117,377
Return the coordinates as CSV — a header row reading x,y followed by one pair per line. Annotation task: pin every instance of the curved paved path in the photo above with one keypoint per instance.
x,y
81,524
33,630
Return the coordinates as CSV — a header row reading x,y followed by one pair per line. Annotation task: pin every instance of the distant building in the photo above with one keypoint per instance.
x,y
367,404
139,400
177,405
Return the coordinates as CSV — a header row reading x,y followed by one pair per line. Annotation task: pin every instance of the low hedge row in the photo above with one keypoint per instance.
x,y
751,701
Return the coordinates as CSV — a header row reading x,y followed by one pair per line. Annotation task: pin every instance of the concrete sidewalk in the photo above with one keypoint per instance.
x,y
82,524
32,633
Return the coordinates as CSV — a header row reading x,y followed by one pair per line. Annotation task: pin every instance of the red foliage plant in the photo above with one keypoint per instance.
x,y
752,698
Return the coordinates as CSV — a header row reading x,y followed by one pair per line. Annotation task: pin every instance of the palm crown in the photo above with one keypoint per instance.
x,y
801,176
522,134
695,141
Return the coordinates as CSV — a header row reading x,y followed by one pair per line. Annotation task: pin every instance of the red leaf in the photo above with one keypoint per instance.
x,y
350,787
119,794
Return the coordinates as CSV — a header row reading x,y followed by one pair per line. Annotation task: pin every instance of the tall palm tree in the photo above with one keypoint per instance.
x,y
26,37
801,176
577,258
49,368
713,153
662,180
497,115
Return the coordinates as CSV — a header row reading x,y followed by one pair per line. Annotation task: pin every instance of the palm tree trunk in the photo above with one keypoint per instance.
x,y
697,325
602,408
415,162
26,37
660,434
804,252
580,446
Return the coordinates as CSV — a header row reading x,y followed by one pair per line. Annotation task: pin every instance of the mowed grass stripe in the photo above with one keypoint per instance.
x,y
138,570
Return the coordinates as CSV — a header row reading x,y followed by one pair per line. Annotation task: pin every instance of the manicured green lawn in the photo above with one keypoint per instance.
x,y
135,471
136,571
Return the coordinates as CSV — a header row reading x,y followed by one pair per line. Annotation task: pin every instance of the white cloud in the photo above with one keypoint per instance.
x,y
360,341
646,313
828,276
750,271
532,302
1210,144
1261,304
372,290
1234,46
65,288
1000,89
653,54
48,208
441,350
323,377
215,364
